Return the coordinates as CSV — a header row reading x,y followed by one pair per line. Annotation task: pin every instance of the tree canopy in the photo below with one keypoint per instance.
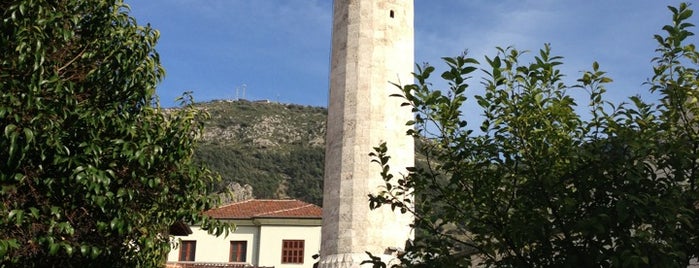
x,y
93,170
538,184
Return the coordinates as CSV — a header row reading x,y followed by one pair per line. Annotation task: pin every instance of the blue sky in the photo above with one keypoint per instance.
x,y
279,49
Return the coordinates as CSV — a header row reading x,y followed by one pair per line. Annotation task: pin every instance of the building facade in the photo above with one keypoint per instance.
x,y
269,233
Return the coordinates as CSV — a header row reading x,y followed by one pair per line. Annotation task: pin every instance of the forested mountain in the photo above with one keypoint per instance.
x,y
277,149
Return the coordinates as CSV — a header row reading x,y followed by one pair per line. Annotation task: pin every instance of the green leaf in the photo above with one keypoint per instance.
x,y
53,248
69,249
95,252
28,135
34,212
9,129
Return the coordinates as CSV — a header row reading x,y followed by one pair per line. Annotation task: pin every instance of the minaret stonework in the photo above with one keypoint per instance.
x,y
372,47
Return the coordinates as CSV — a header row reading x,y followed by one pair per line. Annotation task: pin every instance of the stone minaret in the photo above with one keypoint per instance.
x,y
372,47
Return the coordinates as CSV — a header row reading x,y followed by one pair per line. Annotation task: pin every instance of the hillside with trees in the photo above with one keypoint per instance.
x,y
277,149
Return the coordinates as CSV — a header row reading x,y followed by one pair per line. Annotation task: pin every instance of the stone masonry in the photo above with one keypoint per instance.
x,y
372,47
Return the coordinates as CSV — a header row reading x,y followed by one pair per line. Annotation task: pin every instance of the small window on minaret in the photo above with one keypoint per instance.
x,y
391,14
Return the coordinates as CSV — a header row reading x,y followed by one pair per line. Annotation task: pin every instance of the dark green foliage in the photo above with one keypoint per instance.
x,y
93,172
265,170
305,166
541,185
278,149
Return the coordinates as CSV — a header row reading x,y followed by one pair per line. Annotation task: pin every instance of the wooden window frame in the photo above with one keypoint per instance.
x,y
240,252
293,251
188,248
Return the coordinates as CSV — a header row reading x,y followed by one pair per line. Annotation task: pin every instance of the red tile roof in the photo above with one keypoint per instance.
x,y
266,208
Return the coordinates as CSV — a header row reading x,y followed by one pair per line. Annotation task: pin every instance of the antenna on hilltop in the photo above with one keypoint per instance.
x,y
237,91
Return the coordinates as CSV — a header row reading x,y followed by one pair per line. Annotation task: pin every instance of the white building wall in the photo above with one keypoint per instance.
x,y
271,244
216,249
264,244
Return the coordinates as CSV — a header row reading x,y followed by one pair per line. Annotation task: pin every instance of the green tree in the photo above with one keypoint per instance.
x,y
93,172
542,186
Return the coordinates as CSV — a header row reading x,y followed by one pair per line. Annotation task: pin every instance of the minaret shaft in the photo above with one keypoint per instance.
x,y
372,47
